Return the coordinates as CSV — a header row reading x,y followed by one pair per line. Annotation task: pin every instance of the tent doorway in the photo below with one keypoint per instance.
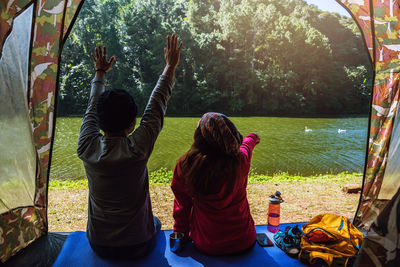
x,y
51,24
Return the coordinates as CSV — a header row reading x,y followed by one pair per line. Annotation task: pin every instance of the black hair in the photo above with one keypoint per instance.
x,y
116,110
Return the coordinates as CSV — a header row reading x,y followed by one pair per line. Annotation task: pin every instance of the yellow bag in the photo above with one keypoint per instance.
x,y
331,238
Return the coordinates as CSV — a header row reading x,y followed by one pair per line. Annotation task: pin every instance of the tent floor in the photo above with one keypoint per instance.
x,y
77,252
42,252
73,249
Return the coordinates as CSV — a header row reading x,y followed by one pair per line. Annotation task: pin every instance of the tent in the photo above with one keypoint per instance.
x,y
32,34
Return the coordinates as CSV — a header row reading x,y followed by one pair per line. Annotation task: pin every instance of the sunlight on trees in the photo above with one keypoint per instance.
x,y
240,57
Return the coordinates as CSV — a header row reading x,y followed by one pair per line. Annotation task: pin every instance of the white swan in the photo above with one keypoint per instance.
x,y
306,129
341,131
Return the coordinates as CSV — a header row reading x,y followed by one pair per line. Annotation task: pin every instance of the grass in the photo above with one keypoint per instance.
x,y
305,197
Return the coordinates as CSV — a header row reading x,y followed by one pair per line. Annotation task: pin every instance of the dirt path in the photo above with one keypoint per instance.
x,y
303,200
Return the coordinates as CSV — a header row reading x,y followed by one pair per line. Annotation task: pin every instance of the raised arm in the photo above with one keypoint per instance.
x,y
153,117
90,126
248,144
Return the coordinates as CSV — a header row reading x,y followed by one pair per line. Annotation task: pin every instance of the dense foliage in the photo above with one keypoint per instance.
x,y
240,56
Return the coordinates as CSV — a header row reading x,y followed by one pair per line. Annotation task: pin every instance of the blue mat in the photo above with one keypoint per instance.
x,y
77,252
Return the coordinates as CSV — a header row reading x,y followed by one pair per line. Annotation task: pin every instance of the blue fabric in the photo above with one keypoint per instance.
x,y
129,252
77,252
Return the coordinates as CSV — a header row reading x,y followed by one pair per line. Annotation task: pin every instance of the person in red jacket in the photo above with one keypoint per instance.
x,y
209,184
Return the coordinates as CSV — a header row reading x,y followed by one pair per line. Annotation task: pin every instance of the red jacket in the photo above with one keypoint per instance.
x,y
220,223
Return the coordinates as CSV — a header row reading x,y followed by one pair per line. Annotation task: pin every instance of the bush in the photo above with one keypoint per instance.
x,y
161,176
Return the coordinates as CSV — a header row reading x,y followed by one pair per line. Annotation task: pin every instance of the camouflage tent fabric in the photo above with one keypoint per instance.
x,y
52,21
381,247
379,23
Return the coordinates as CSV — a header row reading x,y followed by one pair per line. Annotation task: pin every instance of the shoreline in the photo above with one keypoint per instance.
x,y
305,197
163,177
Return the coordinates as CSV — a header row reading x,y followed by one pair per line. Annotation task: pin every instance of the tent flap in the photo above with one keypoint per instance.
x,y
385,96
52,21
19,228
361,13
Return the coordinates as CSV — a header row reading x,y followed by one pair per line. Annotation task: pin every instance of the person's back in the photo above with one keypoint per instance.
x,y
119,201
209,185
120,219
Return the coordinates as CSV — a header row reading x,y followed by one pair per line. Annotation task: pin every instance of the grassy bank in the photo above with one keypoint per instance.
x,y
164,177
305,197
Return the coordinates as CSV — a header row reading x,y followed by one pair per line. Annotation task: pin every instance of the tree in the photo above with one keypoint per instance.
x,y
239,56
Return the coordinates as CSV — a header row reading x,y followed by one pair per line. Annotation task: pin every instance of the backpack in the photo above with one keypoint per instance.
x,y
331,238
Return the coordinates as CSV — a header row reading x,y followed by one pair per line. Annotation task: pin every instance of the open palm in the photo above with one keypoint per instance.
x,y
100,59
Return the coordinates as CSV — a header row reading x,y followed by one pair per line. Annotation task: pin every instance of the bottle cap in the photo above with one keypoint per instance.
x,y
274,200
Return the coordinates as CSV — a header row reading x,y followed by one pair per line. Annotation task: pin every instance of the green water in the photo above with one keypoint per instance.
x,y
285,145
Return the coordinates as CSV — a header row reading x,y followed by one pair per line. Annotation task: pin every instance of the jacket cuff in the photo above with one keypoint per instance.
x,y
253,136
99,79
167,79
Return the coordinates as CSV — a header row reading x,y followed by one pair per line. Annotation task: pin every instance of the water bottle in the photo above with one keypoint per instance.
x,y
274,212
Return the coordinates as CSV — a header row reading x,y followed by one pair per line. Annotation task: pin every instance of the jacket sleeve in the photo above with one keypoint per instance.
x,y
90,128
182,203
246,151
152,120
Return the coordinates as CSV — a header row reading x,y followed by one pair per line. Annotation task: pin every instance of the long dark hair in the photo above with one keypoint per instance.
x,y
207,167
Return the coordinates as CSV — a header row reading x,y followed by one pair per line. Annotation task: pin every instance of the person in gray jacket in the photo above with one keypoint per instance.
x,y
120,223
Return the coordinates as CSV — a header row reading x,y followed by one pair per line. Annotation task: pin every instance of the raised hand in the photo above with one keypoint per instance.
x,y
100,61
172,54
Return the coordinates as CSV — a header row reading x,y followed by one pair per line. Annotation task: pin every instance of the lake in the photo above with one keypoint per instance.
x,y
331,145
